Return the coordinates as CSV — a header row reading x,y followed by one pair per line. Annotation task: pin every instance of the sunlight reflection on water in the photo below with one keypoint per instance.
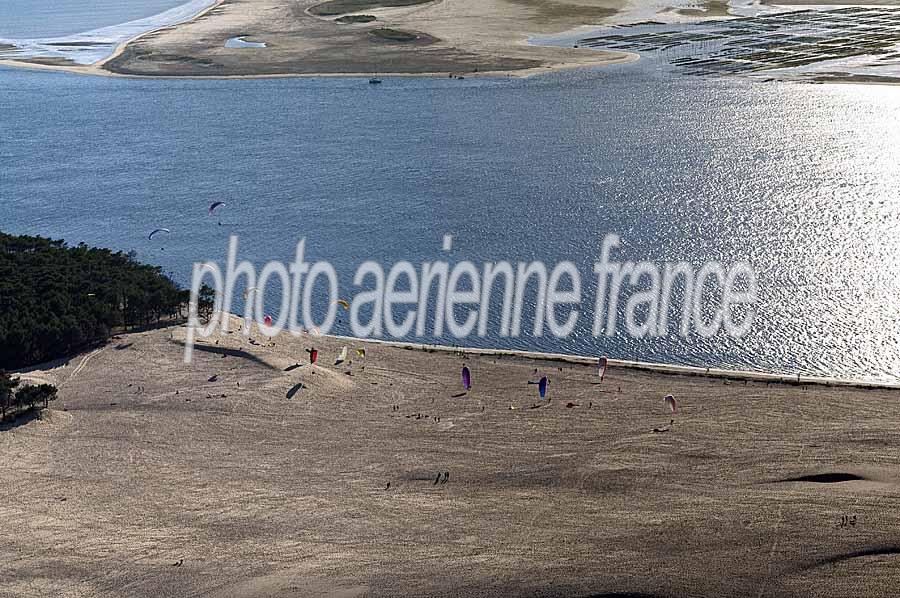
x,y
800,180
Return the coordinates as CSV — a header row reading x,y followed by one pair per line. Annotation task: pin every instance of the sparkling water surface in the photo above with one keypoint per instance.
x,y
799,180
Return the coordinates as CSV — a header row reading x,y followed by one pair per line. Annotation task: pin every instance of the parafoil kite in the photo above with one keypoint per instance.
x,y
342,357
466,378
214,205
670,401
157,231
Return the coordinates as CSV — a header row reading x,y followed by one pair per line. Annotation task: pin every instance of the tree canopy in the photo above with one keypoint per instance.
x,y
56,300
13,402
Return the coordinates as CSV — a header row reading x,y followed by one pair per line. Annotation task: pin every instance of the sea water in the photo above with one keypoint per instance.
x,y
799,180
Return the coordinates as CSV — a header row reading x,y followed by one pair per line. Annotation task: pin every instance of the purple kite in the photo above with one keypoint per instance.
x,y
466,378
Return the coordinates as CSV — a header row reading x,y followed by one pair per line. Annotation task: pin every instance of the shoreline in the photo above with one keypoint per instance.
x,y
665,369
96,70
120,48
636,365
236,324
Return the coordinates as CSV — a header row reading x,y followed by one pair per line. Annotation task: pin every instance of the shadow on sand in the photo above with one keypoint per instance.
x,y
825,478
230,353
20,419
889,550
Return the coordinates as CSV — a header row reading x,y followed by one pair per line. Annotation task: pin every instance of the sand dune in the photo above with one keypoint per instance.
x,y
144,462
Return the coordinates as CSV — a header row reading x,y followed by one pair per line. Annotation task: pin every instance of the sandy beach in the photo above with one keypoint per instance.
x,y
149,477
445,37
449,36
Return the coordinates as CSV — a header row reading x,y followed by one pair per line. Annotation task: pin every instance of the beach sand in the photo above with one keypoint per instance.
x,y
454,36
484,37
143,462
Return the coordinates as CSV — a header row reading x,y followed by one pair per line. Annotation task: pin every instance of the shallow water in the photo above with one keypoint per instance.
x,y
800,180
28,19
85,33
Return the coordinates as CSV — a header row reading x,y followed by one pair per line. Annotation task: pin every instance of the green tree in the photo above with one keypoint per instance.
x,y
31,395
8,385
56,300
